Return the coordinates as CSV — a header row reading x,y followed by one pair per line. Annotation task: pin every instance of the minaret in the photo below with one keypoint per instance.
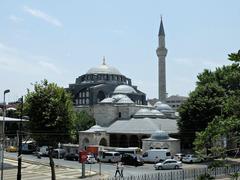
x,y
161,53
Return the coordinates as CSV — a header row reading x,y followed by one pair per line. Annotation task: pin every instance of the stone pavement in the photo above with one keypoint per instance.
x,y
42,172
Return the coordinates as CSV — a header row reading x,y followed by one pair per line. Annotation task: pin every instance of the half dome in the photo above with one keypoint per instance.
x,y
124,89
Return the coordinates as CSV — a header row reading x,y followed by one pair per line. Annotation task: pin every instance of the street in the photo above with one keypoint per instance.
x,y
107,169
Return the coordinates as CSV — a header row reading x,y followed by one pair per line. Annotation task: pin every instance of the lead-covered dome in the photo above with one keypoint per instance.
x,y
103,69
124,89
159,135
96,128
163,107
108,100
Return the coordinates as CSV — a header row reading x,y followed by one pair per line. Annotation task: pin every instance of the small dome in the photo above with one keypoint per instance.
x,y
156,112
164,107
118,96
95,128
144,112
103,69
158,103
108,100
124,89
160,135
125,100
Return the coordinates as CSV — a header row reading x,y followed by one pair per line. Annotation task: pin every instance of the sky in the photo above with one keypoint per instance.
x,y
61,40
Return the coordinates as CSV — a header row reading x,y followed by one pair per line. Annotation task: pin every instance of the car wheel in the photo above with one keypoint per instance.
x,y
176,167
159,167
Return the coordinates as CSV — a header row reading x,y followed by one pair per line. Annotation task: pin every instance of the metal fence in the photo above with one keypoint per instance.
x,y
183,174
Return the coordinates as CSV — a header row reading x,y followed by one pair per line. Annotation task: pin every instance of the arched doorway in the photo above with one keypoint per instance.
x,y
114,140
123,141
85,143
134,141
100,96
103,142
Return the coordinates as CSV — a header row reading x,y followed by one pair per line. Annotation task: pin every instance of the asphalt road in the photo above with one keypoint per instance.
x,y
106,168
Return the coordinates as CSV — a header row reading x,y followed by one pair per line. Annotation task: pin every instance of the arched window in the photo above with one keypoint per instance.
x,y
85,143
103,142
100,96
87,101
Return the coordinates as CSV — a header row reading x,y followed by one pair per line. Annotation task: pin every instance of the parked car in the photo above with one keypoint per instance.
x,y
168,164
109,156
43,151
11,149
58,153
71,157
91,159
190,158
179,156
131,159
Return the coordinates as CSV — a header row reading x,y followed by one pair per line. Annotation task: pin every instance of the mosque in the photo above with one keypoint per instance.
x,y
123,116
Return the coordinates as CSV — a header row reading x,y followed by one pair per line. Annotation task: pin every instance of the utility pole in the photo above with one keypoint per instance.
x,y
19,175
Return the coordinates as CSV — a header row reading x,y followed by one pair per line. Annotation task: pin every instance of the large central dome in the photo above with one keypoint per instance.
x,y
103,69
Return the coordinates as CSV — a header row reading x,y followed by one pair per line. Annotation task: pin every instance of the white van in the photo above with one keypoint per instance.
x,y
43,151
156,155
110,156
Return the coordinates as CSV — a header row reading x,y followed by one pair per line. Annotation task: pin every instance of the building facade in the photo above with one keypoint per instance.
x,y
99,83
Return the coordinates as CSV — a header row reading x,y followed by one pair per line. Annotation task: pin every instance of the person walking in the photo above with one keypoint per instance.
x,y
121,169
117,170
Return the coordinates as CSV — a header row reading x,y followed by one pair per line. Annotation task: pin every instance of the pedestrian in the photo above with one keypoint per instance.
x,y
121,169
156,159
117,170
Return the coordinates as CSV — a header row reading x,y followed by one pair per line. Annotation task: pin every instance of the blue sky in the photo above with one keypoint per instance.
x,y
61,40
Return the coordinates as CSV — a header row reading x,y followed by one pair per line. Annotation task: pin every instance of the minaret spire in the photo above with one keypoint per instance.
x,y
161,53
161,29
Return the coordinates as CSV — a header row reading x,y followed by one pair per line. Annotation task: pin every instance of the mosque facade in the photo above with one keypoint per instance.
x,y
123,116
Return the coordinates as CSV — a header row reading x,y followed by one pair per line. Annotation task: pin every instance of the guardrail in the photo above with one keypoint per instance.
x,y
184,174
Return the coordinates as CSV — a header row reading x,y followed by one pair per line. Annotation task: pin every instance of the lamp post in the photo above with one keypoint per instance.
x,y
3,131
19,175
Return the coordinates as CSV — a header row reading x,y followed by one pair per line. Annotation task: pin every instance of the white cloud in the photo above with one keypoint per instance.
x,y
42,15
49,66
15,18
13,61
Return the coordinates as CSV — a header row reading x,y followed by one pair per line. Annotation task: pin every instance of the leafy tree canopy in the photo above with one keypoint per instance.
x,y
209,100
51,114
82,122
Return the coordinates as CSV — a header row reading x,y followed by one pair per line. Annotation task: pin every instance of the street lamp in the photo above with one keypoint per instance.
x,y
3,130
19,174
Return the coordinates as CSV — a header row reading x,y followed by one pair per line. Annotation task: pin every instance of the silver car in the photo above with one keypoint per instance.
x,y
190,158
168,164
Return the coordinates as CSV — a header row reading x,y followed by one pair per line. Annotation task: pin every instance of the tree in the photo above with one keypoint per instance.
x,y
51,114
209,99
83,121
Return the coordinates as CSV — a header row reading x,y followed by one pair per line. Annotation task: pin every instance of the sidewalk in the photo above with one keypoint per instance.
x,y
43,172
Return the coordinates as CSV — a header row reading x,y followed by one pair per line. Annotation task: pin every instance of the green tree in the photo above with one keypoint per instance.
x,y
51,114
83,121
209,100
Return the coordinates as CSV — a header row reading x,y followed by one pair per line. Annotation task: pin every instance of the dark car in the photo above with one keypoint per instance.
x,y
71,157
130,159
